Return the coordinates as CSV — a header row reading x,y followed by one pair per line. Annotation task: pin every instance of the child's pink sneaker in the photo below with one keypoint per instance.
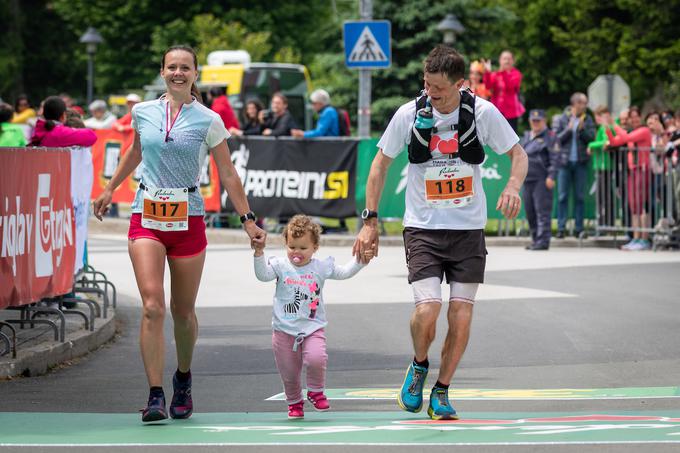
x,y
319,400
296,410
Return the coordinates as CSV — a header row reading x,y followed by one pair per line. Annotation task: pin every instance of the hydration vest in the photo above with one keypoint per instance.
x,y
470,150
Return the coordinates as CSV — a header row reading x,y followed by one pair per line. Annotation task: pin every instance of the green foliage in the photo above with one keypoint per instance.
x,y
206,33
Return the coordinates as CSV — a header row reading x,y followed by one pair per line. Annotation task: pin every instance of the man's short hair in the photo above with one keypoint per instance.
x,y
320,96
601,109
445,60
281,96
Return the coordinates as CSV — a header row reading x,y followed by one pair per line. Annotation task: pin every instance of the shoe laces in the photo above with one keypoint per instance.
x,y
442,397
155,402
416,384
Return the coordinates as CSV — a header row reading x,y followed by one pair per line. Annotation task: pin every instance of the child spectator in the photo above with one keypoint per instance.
x,y
11,135
51,132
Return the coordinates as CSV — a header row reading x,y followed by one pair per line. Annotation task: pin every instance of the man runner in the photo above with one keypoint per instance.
x,y
445,212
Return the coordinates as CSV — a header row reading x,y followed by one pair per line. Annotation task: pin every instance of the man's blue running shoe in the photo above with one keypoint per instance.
x,y
182,405
155,410
440,408
411,395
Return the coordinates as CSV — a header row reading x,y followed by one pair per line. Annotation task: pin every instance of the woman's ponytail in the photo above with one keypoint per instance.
x,y
196,93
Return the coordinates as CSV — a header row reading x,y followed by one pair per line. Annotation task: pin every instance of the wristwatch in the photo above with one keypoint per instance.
x,y
247,216
368,214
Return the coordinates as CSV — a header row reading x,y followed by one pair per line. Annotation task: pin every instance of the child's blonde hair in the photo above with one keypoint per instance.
x,y
299,225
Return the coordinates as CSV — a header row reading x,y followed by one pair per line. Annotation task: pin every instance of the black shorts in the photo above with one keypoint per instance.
x,y
458,254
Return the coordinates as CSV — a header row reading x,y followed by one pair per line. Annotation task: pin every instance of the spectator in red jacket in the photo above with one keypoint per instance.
x,y
504,85
220,104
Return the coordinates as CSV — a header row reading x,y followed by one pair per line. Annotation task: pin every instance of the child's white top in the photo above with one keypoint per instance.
x,y
298,302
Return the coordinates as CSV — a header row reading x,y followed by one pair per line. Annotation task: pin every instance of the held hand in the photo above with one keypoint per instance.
x,y
100,206
366,244
509,203
299,133
258,237
589,151
549,183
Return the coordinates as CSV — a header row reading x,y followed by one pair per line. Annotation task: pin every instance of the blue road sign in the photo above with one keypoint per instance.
x,y
368,44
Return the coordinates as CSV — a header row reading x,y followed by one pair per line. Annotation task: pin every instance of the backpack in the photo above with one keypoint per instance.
x,y
344,124
470,149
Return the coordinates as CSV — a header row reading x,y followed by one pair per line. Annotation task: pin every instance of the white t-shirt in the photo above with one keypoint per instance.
x,y
493,130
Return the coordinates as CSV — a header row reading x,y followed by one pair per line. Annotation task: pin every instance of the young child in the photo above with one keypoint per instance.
x,y
299,315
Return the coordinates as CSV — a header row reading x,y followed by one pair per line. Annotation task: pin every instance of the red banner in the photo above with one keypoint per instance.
x,y
112,145
37,225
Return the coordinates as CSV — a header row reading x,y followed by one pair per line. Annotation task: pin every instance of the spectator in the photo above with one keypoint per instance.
x,y
635,117
124,123
101,117
278,121
73,119
252,124
328,124
505,85
71,104
575,129
219,103
475,81
668,121
22,110
50,132
656,163
602,166
624,119
539,144
639,142
11,135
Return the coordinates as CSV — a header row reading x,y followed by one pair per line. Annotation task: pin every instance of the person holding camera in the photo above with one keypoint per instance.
x,y
278,121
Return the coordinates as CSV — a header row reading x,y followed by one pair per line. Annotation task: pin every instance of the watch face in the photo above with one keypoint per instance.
x,y
364,214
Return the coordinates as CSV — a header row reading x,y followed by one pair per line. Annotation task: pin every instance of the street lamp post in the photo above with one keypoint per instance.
x,y
450,27
90,38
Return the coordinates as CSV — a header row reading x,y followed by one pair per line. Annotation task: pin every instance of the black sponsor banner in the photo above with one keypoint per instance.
x,y
287,176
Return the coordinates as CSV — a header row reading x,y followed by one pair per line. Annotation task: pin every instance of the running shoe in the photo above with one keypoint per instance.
x,y
181,406
630,245
296,411
155,410
411,395
440,408
319,401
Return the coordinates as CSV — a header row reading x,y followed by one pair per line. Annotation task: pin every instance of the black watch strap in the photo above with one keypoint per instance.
x,y
368,214
248,216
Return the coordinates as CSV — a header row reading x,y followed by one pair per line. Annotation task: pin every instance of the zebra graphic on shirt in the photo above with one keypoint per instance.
x,y
291,309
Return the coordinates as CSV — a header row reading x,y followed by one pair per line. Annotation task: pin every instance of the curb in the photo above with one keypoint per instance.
x,y
235,236
37,360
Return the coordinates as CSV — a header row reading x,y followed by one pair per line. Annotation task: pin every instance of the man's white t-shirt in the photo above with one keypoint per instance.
x,y
493,130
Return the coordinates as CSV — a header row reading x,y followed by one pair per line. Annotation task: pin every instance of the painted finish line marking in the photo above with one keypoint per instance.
x,y
507,394
340,428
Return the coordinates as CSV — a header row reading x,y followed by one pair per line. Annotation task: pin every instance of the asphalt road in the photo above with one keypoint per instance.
x,y
562,319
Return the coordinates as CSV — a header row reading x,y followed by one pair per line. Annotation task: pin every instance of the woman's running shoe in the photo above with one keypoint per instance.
x,y
296,411
440,408
181,406
411,395
155,409
319,401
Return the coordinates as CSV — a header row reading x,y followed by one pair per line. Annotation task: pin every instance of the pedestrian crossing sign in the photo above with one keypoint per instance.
x,y
367,44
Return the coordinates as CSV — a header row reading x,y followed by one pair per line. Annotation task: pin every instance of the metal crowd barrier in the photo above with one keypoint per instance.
x,y
639,193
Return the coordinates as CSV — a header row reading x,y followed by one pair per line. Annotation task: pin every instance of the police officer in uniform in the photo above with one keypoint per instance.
x,y
539,144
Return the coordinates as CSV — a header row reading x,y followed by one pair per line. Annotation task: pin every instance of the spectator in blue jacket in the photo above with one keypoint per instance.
x,y
328,125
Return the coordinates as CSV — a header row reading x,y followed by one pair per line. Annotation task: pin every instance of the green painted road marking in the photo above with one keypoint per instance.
x,y
507,394
340,428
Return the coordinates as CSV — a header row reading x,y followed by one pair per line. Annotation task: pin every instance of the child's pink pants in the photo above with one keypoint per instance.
x,y
310,352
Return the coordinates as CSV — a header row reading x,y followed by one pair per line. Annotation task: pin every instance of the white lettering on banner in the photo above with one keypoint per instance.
x,y
16,232
53,229
284,183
